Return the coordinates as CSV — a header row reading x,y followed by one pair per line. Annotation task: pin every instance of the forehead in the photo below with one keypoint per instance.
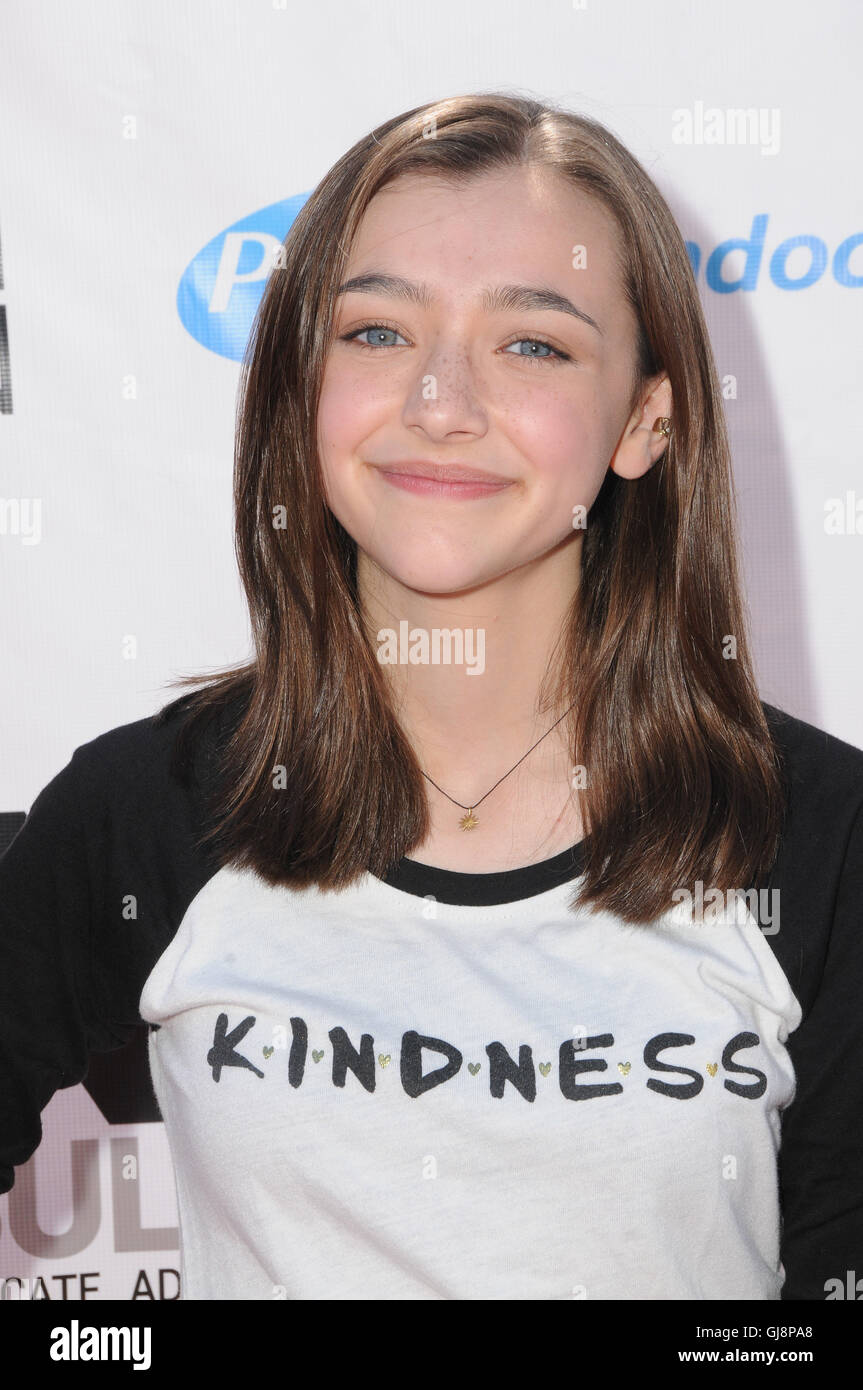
x,y
521,224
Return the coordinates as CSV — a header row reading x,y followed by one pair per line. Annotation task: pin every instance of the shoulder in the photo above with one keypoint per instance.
x,y
143,744
158,771
826,765
118,834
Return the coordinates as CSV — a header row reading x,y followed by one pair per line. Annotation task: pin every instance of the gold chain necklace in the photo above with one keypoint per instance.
x,y
469,822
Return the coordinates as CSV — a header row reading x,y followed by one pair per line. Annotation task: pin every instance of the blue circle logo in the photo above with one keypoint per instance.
x,y
222,287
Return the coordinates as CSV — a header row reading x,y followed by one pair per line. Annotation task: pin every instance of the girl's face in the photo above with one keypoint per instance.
x,y
487,328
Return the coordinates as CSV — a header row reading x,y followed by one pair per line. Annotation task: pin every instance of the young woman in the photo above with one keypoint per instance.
x,y
412,901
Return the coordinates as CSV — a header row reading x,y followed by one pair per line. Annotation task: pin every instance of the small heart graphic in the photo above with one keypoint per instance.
x,y
268,1052
384,1061
473,1068
545,1068
316,1056
712,1067
624,1068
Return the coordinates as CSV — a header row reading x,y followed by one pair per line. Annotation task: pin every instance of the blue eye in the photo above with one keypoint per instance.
x,y
378,330
552,354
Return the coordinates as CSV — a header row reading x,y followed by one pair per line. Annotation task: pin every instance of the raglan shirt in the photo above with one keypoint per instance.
x,y
442,1085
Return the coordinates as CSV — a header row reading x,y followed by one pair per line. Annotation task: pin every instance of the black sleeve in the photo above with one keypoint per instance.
x,y
821,1155
48,1018
92,890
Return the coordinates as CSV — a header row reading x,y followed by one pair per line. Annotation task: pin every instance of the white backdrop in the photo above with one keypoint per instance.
x,y
134,136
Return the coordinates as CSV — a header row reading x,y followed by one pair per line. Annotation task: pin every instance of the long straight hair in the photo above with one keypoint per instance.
x,y
318,783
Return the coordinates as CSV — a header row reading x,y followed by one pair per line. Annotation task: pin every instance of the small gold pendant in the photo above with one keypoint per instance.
x,y
469,821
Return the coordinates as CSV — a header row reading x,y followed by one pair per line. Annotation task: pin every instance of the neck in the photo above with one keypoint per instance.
x,y
512,631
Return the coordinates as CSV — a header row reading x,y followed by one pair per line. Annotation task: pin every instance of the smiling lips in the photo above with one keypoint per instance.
x,y
442,480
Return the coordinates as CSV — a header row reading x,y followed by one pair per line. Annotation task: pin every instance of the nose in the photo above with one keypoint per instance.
x,y
444,398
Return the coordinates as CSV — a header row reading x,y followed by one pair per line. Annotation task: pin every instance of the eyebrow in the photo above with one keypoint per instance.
x,y
501,299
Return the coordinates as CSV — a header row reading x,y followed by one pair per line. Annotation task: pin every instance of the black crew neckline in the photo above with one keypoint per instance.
x,y
486,890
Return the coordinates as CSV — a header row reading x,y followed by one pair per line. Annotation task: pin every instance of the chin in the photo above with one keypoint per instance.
x,y
433,575
431,570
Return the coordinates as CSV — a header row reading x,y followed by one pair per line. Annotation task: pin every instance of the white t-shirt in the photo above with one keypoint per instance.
x,y
373,1095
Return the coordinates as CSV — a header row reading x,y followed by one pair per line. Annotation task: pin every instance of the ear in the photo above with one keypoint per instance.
x,y
641,445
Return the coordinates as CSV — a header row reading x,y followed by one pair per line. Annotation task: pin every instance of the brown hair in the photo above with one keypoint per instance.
x,y
685,782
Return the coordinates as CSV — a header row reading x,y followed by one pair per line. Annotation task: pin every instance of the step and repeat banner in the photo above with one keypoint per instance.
x,y
151,159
